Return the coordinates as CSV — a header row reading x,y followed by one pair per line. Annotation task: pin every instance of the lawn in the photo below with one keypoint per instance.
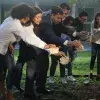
x,y
80,64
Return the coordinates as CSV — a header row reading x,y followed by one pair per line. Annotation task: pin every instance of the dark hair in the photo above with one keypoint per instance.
x,y
95,22
67,20
21,11
65,6
36,10
56,10
83,13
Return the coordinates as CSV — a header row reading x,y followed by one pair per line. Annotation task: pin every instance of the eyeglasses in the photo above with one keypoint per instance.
x,y
84,19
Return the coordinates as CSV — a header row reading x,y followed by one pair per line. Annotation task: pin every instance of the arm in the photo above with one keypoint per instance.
x,y
27,35
49,36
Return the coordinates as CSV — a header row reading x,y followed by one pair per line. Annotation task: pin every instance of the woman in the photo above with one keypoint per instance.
x,y
95,52
12,30
28,54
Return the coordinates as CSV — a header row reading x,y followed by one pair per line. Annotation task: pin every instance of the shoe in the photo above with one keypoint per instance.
x,y
51,80
71,78
20,89
63,80
27,96
31,96
66,71
9,95
91,76
98,77
44,91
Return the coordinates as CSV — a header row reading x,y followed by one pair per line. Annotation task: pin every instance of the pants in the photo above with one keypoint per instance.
x,y
18,73
7,62
72,54
30,75
54,60
26,53
42,69
11,70
95,52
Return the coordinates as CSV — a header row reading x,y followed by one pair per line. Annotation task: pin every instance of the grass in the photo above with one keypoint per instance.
x,y
80,64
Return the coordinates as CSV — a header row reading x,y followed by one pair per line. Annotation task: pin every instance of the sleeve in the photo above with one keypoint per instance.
x,y
28,36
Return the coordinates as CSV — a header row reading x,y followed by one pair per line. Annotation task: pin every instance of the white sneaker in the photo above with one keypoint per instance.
x,y
51,80
63,80
66,71
71,78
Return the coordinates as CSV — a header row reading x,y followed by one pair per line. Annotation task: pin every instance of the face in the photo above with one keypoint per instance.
x,y
70,23
98,20
56,18
37,19
24,20
83,19
65,13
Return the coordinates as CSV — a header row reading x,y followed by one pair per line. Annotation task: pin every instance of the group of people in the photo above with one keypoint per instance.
x,y
40,35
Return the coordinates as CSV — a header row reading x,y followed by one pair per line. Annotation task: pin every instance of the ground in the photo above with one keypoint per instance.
x,y
72,90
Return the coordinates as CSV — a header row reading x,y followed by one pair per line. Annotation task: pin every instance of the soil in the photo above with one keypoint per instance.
x,y
70,91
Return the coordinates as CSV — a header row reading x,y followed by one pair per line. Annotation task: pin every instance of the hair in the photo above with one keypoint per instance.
x,y
36,10
21,11
83,13
67,20
65,6
95,22
56,10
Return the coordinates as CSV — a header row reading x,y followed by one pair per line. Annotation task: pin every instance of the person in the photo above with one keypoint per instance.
x,y
12,30
95,47
80,20
69,21
59,31
29,55
48,35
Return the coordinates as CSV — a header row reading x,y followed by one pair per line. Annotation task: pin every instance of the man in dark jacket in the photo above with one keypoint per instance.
x,y
80,20
48,35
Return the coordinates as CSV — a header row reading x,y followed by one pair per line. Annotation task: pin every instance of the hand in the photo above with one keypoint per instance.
x,y
11,49
52,46
71,29
82,34
70,43
78,45
60,53
47,46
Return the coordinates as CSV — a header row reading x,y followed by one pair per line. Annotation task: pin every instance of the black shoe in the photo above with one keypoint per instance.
x,y
30,97
33,96
91,76
44,91
98,77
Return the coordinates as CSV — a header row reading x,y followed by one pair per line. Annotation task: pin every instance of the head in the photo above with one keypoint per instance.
x,y
56,14
66,9
22,12
69,21
97,20
83,16
37,16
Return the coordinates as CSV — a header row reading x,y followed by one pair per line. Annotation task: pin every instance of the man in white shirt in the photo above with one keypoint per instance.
x,y
12,30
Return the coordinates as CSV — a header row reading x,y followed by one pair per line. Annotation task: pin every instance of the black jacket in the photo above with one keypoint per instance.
x,y
78,25
47,32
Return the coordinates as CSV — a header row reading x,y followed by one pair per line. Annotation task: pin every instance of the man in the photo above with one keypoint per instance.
x,y
12,30
80,20
59,29
48,35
